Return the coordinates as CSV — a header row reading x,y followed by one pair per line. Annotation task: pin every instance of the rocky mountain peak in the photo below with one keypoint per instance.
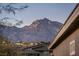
x,y
39,30
41,22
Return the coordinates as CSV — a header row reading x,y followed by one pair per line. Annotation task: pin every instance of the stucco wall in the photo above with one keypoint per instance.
x,y
63,49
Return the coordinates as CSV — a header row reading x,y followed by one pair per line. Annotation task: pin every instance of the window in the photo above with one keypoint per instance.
x,y
72,48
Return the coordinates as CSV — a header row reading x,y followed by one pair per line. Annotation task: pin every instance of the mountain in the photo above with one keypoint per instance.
x,y
39,30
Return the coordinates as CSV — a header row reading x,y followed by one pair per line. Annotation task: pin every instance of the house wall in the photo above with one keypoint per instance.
x,y
63,49
77,44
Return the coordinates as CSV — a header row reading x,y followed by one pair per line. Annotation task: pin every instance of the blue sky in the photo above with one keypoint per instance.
x,y
35,11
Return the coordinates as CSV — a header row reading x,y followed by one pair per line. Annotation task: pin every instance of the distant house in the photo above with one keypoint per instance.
x,y
42,49
37,50
30,53
66,43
